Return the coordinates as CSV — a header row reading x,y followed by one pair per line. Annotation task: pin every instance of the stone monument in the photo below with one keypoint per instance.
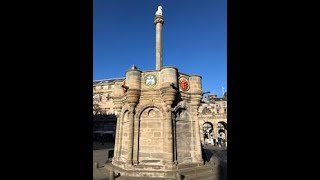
x,y
157,133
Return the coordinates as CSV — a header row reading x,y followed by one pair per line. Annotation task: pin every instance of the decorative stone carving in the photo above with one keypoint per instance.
x,y
133,96
158,19
206,110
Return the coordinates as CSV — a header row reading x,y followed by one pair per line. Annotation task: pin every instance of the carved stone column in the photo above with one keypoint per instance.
x,y
117,139
133,96
118,103
215,131
195,103
168,94
158,21
130,133
135,141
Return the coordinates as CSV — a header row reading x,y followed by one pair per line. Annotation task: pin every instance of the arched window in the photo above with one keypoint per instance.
x,y
207,127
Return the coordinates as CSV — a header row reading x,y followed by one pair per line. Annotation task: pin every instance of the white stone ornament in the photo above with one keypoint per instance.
x,y
159,11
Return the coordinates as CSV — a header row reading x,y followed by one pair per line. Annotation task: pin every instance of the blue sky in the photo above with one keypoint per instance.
x,y
194,38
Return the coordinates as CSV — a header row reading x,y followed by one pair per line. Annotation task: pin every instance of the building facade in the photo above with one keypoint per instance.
x,y
213,119
212,111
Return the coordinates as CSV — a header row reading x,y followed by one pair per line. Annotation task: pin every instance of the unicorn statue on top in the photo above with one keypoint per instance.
x,y
159,11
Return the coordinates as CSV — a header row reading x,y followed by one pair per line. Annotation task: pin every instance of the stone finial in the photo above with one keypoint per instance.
x,y
133,66
159,11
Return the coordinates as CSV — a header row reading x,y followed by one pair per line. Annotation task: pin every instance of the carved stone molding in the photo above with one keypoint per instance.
x,y
158,19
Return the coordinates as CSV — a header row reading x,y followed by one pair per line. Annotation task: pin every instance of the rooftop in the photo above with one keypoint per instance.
x,y
103,81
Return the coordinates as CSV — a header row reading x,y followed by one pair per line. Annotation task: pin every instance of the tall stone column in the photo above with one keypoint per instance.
x,y
135,141
168,140
226,132
130,134
117,99
133,83
117,139
195,103
196,96
215,131
168,95
158,21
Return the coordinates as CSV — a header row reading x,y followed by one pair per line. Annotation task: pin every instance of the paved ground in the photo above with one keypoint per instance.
x,y
220,154
100,153
220,151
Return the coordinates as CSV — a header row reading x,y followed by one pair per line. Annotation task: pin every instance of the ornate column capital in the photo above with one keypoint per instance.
x,y
132,107
158,19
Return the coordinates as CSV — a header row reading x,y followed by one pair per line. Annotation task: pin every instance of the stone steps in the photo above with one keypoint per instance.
x,y
205,176
199,173
203,172
194,170
141,178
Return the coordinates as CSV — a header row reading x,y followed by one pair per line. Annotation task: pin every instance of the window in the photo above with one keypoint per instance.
x,y
207,127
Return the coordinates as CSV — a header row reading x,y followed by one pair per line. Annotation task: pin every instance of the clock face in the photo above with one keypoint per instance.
x,y
150,80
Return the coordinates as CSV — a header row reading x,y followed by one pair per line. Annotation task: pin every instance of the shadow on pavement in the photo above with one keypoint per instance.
x,y
99,145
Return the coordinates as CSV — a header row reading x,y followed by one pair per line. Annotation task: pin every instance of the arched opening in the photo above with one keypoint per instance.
x,y
183,137
150,136
208,133
222,133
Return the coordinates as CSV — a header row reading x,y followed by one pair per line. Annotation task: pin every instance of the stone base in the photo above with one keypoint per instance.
x,y
153,171
184,171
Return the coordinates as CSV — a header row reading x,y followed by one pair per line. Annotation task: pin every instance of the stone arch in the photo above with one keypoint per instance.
x,y
142,108
208,133
201,123
223,123
222,131
207,125
125,108
150,136
184,136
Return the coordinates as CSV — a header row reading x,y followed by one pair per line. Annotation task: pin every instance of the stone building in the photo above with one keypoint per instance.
x,y
160,117
104,118
212,110
213,119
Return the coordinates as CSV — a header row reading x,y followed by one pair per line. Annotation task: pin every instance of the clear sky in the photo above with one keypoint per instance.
x,y
194,38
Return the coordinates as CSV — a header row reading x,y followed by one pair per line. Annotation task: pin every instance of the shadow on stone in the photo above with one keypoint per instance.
x,y
214,159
